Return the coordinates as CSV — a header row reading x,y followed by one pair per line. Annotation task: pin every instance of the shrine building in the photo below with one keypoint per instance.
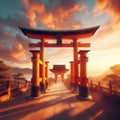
x,y
59,70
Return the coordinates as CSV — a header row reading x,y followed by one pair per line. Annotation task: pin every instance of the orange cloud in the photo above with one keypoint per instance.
x,y
109,29
14,48
48,20
100,6
18,51
32,10
111,7
57,17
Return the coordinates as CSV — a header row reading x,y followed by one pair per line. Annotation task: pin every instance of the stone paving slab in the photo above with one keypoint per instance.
x,y
59,103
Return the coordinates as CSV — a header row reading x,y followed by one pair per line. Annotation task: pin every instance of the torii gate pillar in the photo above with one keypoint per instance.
x,y
72,72
46,74
42,57
62,76
83,89
75,53
55,77
35,87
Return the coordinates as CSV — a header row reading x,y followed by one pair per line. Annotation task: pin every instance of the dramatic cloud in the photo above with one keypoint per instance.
x,y
111,7
13,22
108,5
60,14
30,13
54,16
109,29
13,48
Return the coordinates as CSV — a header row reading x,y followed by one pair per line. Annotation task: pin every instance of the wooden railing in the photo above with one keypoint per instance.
x,y
12,91
101,88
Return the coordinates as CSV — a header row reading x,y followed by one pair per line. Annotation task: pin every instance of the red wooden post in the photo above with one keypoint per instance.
x,y
83,88
26,84
35,87
110,88
56,77
42,57
19,85
46,73
99,86
72,81
91,84
62,77
9,89
75,53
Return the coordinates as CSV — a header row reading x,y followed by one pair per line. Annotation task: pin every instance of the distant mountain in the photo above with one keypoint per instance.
x,y
27,72
116,69
15,70
95,79
110,76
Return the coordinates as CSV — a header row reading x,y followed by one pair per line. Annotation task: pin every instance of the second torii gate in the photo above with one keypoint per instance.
x,y
59,70
45,35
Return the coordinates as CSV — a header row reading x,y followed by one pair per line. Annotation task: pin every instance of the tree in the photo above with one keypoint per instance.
x,y
114,80
4,74
19,77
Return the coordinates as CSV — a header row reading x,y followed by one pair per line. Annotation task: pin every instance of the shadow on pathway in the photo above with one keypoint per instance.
x,y
59,103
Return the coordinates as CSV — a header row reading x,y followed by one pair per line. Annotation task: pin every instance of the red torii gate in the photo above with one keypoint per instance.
x,y
59,70
59,35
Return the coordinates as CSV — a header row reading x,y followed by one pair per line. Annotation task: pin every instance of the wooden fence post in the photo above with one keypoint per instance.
x,y
9,89
110,88
99,86
91,84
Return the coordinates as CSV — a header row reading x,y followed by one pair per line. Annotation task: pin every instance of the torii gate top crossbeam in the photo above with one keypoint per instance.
x,y
64,34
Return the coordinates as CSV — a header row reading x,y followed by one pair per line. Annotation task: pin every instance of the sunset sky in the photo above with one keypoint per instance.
x,y
61,15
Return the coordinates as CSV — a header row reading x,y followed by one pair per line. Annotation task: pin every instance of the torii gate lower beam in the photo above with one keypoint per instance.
x,y
79,44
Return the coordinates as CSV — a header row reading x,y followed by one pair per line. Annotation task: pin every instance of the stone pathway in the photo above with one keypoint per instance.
x,y
59,103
